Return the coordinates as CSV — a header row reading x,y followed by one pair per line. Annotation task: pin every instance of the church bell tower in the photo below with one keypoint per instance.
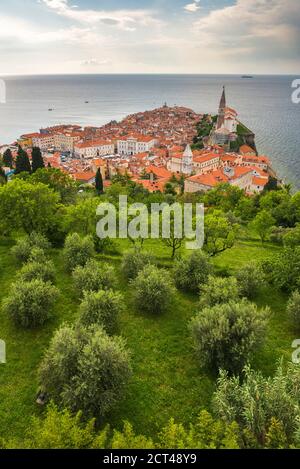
x,y
187,161
222,106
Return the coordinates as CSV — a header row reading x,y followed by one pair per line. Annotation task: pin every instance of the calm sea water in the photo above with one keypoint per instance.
x,y
264,104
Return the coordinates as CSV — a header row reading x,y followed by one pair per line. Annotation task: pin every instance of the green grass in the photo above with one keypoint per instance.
x,y
242,129
166,381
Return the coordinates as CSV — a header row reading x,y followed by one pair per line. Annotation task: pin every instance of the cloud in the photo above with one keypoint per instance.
x,y
193,7
265,26
124,19
95,62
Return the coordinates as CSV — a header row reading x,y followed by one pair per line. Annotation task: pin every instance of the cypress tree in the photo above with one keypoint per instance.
x,y
22,162
7,158
37,159
99,182
3,178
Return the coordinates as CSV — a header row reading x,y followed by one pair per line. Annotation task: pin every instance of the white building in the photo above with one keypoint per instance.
x,y
240,177
200,162
131,145
94,149
43,141
66,141
230,120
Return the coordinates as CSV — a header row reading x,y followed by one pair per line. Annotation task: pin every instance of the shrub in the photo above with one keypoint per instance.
x,y
277,234
77,250
250,278
36,270
283,270
134,261
103,308
29,304
254,400
226,335
206,433
218,290
293,309
85,369
62,430
37,255
191,273
94,276
292,237
153,290
129,440
24,247
263,223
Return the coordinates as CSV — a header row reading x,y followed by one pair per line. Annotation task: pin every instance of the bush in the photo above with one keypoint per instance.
x,y
191,273
29,304
218,290
62,430
153,290
134,261
253,401
24,247
226,335
250,278
277,234
84,369
94,276
207,433
38,255
103,308
35,270
129,440
77,250
293,309
283,270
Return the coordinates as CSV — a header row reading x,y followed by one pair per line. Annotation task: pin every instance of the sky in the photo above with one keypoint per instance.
x,y
143,36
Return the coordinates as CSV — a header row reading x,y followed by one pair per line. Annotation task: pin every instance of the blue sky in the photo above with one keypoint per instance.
x,y
143,36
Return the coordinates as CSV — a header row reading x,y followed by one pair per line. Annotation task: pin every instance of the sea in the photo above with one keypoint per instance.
x,y
263,103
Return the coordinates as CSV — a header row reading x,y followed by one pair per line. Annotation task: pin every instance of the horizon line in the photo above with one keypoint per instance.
x,y
145,73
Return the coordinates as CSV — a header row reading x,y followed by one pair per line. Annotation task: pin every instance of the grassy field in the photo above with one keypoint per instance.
x,y
167,381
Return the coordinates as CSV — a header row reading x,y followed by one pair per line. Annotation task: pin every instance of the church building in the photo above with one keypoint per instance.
x,y
227,123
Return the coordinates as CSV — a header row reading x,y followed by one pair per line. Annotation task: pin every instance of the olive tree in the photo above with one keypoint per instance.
x,y
253,400
134,261
102,307
225,335
293,309
218,290
153,290
191,273
85,369
94,276
24,247
29,303
77,250
250,278
37,270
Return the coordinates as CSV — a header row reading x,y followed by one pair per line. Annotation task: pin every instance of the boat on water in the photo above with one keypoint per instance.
x,y
247,76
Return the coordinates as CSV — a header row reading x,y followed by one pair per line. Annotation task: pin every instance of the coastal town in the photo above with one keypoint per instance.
x,y
153,147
